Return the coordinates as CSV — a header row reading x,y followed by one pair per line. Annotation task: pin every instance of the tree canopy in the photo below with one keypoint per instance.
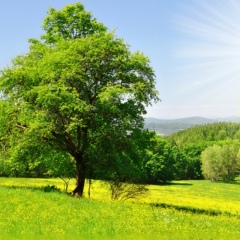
x,y
79,90
209,133
221,161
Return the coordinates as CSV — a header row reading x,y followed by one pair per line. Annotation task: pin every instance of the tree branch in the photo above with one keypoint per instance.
x,y
24,127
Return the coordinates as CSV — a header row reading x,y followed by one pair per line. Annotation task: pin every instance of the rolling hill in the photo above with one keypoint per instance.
x,y
167,127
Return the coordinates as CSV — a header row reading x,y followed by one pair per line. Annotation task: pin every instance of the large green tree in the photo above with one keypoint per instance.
x,y
78,89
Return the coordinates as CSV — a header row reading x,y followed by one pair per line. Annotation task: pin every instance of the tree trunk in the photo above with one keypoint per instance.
x,y
80,178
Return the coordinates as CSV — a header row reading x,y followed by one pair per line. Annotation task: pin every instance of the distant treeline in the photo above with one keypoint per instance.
x,y
168,127
206,133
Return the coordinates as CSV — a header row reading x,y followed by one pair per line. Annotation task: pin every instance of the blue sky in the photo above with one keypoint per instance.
x,y
193,45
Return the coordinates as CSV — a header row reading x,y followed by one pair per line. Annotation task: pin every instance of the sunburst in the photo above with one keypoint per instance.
x,y
210,52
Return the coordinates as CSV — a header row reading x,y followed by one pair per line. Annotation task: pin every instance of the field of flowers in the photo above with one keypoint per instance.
x,y
203,195
167,212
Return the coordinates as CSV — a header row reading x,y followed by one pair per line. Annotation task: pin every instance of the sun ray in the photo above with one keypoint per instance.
x,y
209,52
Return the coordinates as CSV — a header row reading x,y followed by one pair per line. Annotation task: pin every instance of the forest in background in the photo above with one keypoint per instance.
x,y
174,157
166,127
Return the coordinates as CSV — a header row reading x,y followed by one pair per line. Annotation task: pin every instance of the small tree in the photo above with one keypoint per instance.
x,y
221,162
59,164
211,162
230,162
123,191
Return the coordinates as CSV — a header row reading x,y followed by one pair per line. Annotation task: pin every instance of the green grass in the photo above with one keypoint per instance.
x,y
31,213
205,195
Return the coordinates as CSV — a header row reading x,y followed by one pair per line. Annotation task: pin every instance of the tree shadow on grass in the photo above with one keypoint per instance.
x,y
235,182
173,184
193,210
47,188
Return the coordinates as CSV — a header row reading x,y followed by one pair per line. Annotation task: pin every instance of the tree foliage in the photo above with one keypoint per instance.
x,y
221,162
70,23
80,91
208,133
193,141
160,162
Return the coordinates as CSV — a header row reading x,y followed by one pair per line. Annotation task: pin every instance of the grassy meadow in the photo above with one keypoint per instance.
x,y
182,210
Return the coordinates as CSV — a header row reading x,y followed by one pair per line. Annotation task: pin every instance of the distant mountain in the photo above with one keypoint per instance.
x,y
230,119
167,127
